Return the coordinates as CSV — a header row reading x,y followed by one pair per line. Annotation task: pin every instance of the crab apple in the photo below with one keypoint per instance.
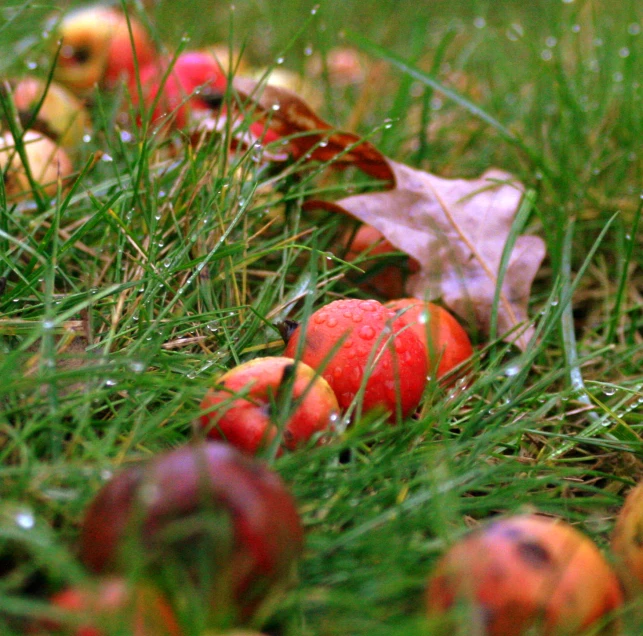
x,y
97,48
447,343
523,573
61,115
361,345
139,610
47,163
194,87
242,404
627,540
367,244
204,517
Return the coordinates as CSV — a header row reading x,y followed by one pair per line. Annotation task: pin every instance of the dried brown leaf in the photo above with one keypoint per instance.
x,y
457,229
287,114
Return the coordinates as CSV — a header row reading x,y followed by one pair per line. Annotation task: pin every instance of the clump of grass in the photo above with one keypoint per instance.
x,y
171,262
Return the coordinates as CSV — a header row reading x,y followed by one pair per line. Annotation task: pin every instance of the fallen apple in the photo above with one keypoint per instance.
x,y
627,541
60,115
447,343
243,406
361,348
97,50
49,165
367,246
525,573
110,605
194,88
204,518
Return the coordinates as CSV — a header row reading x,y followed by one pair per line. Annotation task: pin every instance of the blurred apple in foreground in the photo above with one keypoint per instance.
x,y
525,574
202,522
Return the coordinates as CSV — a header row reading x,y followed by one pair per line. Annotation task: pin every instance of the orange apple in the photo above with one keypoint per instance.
x,y
525,574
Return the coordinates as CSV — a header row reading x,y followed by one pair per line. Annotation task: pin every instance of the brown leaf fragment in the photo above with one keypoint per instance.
x,y
288,115
457,229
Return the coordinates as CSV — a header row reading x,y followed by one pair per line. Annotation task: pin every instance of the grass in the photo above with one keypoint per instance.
x,y
167,264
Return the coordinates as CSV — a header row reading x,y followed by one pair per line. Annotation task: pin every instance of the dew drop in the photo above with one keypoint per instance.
x,y
366,332
479,22
25,520
137,366
110,382
48,324
609,390
551,41
126,136
332,322
634,28
546,55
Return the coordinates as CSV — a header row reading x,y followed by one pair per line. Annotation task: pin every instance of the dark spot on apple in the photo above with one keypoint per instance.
x,y
534,554
82,54
638,535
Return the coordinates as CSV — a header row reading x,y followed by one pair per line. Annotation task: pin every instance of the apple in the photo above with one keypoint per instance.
x,y
525,574
194,88
47,162
447,343
204,518
367,245
61,116
242,407
627,541
97,50
108,602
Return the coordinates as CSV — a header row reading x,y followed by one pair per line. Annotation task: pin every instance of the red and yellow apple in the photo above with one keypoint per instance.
x,y
97,49
60,115
243,406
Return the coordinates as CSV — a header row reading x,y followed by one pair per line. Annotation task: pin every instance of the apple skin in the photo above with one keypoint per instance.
x,y
47,162
524,572
192,71
110,601
627,541
62,115
367,243
159,515
246,422
449,343
97,51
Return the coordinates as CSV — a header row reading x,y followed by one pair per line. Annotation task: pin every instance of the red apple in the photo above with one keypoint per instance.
x,y
447,343
204,517
97,48
47,162
61,116
241,407
369,245
194,88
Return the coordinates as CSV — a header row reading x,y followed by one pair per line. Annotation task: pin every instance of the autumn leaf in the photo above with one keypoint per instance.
x,y
287,115
456,229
